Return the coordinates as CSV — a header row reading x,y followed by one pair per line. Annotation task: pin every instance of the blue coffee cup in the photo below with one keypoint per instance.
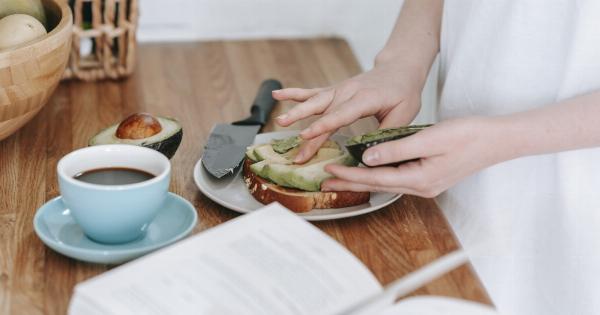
x,y
114,213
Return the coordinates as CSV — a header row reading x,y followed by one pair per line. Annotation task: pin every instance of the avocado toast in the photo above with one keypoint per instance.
x,y
271,175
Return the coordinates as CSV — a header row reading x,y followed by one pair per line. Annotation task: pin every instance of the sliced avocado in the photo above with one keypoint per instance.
x,y
250,152
166,141
285,145
325,154
330,144
310,177
280,173
279,168
265,152
291,154
258,168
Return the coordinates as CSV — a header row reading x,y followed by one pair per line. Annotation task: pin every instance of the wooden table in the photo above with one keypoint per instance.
x,y
201,84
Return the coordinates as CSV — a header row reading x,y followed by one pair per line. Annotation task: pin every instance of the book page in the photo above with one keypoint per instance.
x,y
435,305
267,262
407,284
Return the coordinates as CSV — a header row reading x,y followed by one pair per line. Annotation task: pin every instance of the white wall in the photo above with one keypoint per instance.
x,y
365,24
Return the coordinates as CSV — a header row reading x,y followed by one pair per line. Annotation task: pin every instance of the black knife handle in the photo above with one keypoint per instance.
x,y
263,104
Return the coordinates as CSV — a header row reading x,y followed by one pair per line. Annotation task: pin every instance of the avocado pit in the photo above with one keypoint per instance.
x,y
138,126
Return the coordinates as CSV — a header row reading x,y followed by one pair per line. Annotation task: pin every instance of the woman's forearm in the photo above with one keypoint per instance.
x,y
415,39
567,125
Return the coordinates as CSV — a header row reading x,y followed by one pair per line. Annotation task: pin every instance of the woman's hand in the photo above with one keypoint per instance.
x,y
391,91
390,94
446,153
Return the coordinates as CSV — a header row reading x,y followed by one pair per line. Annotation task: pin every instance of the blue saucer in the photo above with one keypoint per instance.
x,y
55,226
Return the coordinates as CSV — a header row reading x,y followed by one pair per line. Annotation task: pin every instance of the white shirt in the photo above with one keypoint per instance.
x,y
538,217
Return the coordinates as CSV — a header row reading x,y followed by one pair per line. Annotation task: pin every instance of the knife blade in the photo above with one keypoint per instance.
x,y
226,146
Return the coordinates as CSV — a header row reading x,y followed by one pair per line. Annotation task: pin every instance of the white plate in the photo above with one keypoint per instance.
x,y
233,194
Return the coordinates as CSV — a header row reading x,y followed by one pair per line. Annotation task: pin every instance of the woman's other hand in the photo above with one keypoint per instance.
x,y
445,153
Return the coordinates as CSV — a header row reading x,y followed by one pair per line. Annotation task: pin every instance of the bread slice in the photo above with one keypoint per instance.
x,y
298,200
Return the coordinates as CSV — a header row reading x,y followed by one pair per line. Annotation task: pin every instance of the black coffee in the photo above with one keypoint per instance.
x,y
114,176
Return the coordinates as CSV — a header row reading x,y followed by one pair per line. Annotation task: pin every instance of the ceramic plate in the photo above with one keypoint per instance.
x,y
232,193
55,226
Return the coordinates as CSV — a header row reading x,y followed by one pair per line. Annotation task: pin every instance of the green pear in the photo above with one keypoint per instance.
x,y
29,7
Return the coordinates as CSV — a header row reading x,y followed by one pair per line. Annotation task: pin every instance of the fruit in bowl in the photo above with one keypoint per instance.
x,y
31,70
34,8
17,29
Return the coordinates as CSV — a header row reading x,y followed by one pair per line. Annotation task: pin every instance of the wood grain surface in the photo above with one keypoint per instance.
x,y
201,84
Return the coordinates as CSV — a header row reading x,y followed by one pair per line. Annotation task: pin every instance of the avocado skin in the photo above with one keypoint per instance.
x,y
357,146
168,146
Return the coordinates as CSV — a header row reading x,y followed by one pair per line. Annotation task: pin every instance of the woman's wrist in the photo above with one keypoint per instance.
x,y
567,125
499,137
414,69
518,135
415,39
406,78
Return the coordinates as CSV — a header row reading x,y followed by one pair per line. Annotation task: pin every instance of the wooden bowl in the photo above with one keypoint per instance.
x,y
30,72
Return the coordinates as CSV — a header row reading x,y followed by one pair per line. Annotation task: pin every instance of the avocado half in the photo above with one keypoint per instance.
x,y
165,141
357,145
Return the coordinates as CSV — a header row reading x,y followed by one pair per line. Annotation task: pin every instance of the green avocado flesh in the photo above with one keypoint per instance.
x,y
258,168
310,177
166,141
266,152
281,174
280,169
250,152
387,133
284,145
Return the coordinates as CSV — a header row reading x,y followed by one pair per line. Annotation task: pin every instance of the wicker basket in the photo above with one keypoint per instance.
x,y
104,40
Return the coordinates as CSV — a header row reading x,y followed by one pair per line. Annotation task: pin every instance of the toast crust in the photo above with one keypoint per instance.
x,y
296,200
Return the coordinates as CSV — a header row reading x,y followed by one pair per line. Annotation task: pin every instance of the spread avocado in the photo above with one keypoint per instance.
x,y
266,152
286,144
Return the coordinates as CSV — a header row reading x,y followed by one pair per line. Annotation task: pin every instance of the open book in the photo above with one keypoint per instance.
x,y
267,262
